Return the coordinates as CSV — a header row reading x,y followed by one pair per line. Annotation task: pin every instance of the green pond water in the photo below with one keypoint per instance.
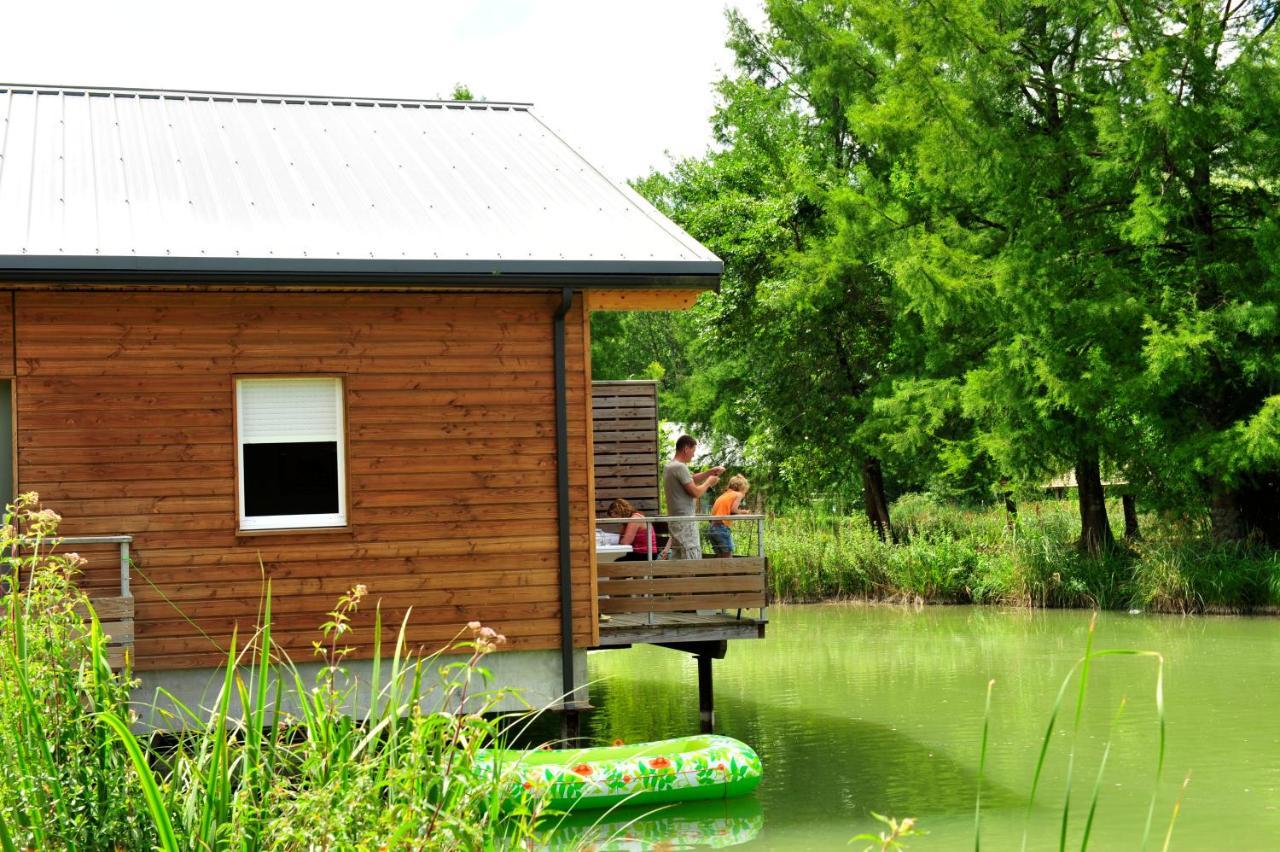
x,y
855,709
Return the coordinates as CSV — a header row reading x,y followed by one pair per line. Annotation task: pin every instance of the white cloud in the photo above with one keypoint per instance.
x,y
621,82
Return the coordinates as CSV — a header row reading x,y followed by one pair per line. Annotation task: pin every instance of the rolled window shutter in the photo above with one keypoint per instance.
x,y
287,411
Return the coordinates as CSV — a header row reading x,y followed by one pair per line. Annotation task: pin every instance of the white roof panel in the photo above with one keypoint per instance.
x,y
187,182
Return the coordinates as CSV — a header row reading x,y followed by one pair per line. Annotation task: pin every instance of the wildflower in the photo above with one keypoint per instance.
x,y
583,769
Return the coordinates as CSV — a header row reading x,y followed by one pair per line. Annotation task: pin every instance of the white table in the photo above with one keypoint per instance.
x,y
611,552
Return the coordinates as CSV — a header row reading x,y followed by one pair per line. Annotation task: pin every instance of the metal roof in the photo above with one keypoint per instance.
x,y
130,182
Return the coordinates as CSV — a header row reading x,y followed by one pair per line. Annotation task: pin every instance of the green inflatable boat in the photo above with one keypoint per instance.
x,y
680,770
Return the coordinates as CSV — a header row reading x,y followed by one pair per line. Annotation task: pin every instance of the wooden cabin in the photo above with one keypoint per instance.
x,y
318,342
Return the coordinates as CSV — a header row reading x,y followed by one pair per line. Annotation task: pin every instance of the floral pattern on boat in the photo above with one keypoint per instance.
x,y
683,769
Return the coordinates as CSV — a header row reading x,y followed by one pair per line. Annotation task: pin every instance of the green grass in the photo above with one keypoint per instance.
x,y
246,775
948,554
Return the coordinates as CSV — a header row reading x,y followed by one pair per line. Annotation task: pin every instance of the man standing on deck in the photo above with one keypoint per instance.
x,y
683,490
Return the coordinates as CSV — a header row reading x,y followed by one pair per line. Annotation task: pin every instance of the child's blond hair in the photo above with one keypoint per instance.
x,y
739,483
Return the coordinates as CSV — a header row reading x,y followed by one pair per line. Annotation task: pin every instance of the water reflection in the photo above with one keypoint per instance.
x,y
854,709
693,825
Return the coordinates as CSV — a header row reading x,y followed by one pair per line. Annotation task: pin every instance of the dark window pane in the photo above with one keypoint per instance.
x,y
290,479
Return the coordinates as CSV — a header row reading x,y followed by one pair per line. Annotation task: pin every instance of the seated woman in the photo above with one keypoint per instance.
x,y
728,503
644,544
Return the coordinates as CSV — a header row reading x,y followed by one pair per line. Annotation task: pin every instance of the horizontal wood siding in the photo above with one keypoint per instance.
x,y
125,427
6,333
625,441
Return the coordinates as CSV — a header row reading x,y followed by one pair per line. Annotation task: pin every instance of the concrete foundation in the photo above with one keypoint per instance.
x,y
531,677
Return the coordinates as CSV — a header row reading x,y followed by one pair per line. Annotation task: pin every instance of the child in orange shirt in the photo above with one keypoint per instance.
x,y
728,503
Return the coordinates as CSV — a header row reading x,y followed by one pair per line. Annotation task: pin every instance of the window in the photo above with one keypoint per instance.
x,y
290,453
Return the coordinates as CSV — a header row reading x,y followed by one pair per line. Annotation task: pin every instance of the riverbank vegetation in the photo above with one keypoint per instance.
x,y
949,554
971,247
247,772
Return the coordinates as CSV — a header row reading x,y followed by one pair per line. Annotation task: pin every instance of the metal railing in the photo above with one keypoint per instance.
x,y
123,540
666,519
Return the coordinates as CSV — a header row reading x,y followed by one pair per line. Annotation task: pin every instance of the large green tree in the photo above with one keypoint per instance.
x,y
1086,191
1192,125
998,238
788,356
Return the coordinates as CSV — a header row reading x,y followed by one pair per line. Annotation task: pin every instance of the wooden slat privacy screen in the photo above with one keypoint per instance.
x,y
625,429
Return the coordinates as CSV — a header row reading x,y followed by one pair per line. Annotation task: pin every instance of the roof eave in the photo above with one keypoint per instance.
x,y
355,272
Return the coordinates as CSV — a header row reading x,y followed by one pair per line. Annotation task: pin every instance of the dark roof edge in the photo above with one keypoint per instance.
x,y
616,274
253,96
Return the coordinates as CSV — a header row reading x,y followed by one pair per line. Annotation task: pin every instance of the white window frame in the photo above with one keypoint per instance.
x,y
323,520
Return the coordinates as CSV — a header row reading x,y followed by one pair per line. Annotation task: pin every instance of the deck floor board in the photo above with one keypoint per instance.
x,y
640,628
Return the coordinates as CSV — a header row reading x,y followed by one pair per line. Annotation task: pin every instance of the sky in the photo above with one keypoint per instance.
x,y
626,83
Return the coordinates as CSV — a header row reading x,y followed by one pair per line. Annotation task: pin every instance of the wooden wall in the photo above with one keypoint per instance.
x,y
625,429
124,415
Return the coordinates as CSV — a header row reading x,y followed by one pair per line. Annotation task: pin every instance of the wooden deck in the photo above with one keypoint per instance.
x,y
664,627
682,601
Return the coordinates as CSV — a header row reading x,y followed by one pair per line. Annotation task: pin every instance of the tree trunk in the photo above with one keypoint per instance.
x,y
1010,506
1131,532
1095,528
873,496
1248,512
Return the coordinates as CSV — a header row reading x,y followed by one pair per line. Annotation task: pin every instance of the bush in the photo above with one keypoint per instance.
x,y
952,554
66,784
79,777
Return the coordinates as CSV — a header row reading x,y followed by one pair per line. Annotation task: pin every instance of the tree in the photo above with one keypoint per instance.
x,y
1079,204
998,239
787,358
1193,124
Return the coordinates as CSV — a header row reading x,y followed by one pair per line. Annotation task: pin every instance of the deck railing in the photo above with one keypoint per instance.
x,y
115,612
658,584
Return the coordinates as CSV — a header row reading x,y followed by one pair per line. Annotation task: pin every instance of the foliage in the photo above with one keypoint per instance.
x,y
784,360
954,554
249,774
988,242
891,838
65,785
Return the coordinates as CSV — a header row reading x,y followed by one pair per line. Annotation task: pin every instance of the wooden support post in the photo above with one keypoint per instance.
x,y
706,696
570,728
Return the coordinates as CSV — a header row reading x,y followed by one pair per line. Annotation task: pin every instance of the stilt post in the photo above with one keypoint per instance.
x,y
706,695
570,728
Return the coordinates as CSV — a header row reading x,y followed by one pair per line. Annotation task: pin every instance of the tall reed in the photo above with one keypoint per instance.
x,y
255,773
950,554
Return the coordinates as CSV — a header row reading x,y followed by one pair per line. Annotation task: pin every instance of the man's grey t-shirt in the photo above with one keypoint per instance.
x,y
674,478
684,534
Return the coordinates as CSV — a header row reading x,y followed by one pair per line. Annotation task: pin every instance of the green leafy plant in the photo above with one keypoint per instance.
x,y
891,837
278,763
